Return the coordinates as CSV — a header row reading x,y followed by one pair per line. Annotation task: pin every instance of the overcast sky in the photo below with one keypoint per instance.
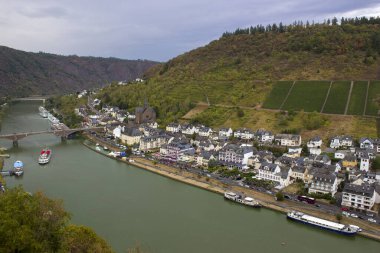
x,y
150,29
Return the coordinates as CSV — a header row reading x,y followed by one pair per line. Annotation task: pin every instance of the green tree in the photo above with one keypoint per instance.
x,y
35,223
338,217
280,196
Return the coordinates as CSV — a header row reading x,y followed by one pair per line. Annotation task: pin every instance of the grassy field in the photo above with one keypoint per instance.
x,y
195,111
373,98
277,95
357,101
337,100
307,95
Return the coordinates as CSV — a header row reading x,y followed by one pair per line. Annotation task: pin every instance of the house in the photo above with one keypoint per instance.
x,y
116,132
273,172
291,140
130,136
364,162
323,159
187,156
152,142
234,156
204,158
341,141
264,136
315,151
172,151
324,183
340,154
349,161
205,131
315,142
206,145
188,129
299,172
225,132
376,145
366,143
358,197
244,134
173,128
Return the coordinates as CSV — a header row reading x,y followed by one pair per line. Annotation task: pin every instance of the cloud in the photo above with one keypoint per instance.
x,y
44,12
150,29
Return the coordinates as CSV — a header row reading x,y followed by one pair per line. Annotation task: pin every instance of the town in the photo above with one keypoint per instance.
x,y
340,171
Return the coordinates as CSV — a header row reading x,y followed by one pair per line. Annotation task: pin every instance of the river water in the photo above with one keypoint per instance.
x,y
130,206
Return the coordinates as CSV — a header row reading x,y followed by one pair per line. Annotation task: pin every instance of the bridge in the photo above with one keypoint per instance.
x,y
33,98
59,130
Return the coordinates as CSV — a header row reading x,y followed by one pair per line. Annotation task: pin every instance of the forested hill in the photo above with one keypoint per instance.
x,y
24,73
299,51
239,68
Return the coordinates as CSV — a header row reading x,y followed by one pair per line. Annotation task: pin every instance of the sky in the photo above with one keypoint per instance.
x,y
151,29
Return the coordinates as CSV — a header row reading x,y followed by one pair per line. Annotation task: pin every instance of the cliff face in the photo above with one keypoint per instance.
x,y
24,73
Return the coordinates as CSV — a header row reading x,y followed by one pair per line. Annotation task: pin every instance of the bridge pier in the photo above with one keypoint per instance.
x,y
15,143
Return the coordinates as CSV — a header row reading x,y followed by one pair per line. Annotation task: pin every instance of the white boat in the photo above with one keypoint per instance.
x,y
248,201
45,156
98,148
18,168
43,112
105,148
325,224
53,119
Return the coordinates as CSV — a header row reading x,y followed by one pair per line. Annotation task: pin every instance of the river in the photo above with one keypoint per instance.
x,y
130,206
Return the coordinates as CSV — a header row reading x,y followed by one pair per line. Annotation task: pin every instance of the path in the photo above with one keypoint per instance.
x,y
349,98
327,96
366,99
287,95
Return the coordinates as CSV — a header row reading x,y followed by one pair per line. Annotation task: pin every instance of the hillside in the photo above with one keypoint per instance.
x,y
240,68
23,73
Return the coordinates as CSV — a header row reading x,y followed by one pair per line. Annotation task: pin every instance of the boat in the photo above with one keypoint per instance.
x,y
43,112
105,148
324,224
45,156
248,201
18,168
98,148
53,119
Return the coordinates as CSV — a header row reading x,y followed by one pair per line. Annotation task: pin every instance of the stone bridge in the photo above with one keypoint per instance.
x,y
59,130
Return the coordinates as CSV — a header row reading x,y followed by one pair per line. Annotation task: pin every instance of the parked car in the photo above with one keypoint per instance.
x,y
345,214
370,214
353,215
372,220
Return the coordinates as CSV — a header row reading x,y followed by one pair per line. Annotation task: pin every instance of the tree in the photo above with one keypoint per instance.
x,y
35,223
280,196
240,112
338,217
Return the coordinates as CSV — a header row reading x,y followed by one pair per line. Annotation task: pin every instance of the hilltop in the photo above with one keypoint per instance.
x,y
240,68
24,73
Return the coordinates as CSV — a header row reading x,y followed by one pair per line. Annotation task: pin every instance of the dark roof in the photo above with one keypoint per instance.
x,y
132,131
364,189
268,166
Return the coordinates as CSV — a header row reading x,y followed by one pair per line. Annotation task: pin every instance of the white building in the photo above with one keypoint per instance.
x,y
366,143
264,136
205,131
341,141
173,128
324,183
234,156
273,172
315,142
291,140
364,162
225,132
244,134
359,197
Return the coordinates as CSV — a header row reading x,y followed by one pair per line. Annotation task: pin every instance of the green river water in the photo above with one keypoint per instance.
x,y
128,206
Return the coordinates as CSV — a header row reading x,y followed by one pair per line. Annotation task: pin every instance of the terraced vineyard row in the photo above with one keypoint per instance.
x,y
331,97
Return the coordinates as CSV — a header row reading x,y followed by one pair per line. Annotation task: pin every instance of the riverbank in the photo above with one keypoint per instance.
x,y
369,230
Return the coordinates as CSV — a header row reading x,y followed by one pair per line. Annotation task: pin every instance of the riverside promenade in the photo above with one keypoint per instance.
x,y
266,200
